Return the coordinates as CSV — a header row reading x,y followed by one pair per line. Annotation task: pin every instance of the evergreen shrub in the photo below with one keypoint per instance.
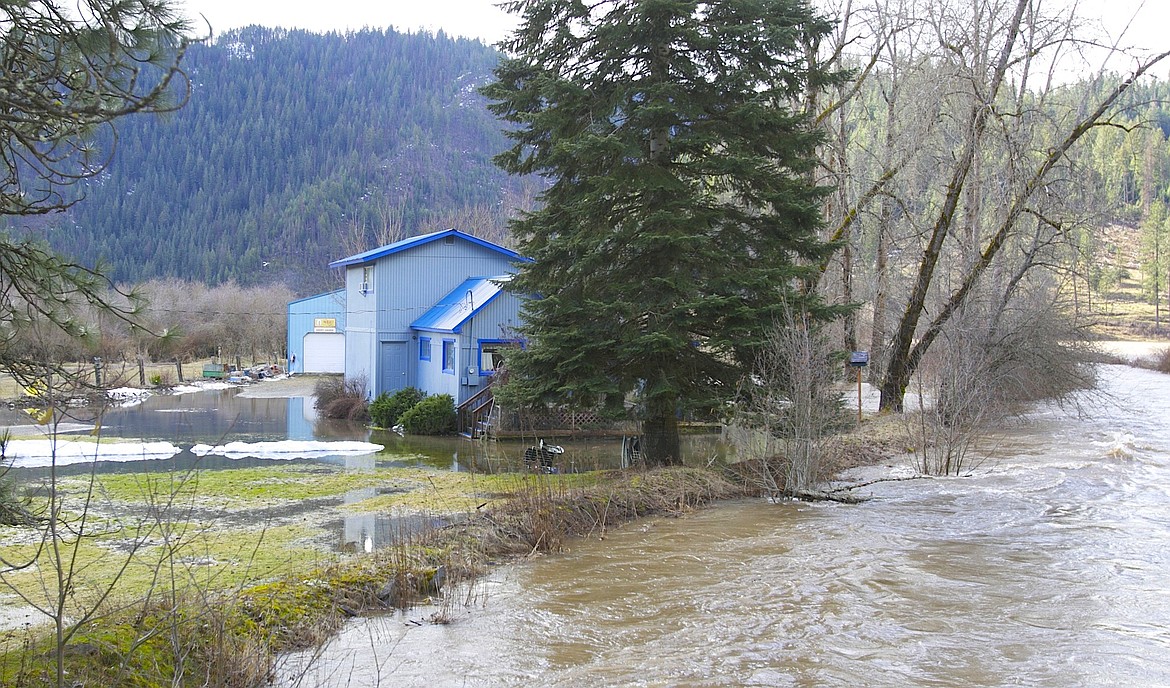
x,y
386,411
431,416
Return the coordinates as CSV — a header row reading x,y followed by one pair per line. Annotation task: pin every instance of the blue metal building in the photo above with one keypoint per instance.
x,y
429,312
316,333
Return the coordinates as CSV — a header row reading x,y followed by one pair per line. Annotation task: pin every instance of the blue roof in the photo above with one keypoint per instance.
x,y
456,308
399,246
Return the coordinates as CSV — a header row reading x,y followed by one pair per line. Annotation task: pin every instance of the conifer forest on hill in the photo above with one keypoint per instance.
x,y
294,149
298,148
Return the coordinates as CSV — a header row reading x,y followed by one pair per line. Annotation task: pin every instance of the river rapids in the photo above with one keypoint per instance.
x,y
1048,566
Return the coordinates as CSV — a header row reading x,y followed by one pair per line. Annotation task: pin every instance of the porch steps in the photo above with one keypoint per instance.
x,y
474,415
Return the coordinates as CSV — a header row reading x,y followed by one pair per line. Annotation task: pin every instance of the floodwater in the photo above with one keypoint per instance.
x,y
1049,566
220,417
217,417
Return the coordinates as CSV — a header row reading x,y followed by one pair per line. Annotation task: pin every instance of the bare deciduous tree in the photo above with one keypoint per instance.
x,y
788,414
956,148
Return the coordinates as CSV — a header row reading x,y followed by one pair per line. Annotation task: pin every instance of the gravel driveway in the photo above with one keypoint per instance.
x,y
295,386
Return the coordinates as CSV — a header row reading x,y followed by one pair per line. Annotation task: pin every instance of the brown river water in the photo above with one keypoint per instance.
x,y
1048,566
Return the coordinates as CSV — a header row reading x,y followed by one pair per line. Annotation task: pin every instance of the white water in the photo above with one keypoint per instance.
x,y
1049,567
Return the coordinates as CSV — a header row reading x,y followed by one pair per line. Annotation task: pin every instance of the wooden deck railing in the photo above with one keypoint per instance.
x,y
474,414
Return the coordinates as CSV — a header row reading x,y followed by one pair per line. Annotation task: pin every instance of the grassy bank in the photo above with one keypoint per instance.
x,y
189,630
221,529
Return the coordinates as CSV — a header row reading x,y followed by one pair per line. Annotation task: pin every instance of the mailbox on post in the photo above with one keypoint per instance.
x,y
858,360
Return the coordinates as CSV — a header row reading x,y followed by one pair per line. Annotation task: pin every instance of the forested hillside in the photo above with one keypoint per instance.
x,y
296,149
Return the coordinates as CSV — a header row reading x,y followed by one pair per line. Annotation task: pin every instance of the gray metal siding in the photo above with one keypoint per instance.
x,y
496,321
360,350
409,283
405,286
362,309
360,334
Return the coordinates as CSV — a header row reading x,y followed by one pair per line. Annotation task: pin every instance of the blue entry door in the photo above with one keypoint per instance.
x,y
392,367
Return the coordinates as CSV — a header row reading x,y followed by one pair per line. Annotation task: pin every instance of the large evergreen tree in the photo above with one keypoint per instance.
x,y
681,218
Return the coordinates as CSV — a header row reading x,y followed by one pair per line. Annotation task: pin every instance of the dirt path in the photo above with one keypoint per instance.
x,y
295,386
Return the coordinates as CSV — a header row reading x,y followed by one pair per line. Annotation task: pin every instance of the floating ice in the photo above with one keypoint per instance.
x,y
286,449
201,387
35,453
128,396
120,393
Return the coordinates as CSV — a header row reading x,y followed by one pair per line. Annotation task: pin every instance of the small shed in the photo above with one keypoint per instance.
x,y
316,333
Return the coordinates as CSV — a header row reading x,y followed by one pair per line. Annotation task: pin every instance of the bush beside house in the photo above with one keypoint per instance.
x,y
386,411
433,415
342,398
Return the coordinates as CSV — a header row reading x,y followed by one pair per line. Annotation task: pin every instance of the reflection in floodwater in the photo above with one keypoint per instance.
x,y
221,417
367,532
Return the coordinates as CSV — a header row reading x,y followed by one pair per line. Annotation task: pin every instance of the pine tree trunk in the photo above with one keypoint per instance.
x,y
661,443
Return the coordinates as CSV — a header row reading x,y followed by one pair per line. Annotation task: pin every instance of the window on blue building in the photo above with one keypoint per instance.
x,y
449,356
424,348
367,285
492,353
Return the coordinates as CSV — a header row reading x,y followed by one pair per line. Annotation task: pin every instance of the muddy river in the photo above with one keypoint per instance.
x,y
1049,566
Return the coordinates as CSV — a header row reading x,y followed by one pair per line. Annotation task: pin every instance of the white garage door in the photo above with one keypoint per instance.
x,y
324,353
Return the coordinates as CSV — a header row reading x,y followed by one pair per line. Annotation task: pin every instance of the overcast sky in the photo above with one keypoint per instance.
x,y
1149,20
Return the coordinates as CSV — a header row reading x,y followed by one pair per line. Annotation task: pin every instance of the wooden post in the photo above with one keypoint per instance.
x,y
859,396
141,373
179,367
858,360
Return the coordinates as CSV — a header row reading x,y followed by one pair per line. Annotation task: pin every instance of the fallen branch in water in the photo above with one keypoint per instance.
x,y
829,496
836,494
854,486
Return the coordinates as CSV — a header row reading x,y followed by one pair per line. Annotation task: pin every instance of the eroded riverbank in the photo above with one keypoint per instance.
x,y
310,599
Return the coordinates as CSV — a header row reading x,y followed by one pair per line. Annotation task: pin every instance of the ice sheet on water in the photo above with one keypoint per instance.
x,y
128,396
201,387
286,449
37,453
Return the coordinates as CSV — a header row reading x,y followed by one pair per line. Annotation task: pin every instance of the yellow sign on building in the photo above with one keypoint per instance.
x,y
324,324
